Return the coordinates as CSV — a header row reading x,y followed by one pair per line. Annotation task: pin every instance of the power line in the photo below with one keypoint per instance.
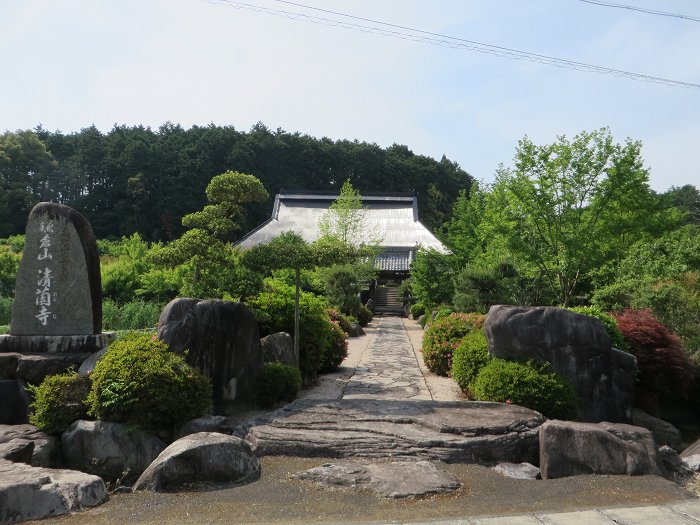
x,y
642,10
437,39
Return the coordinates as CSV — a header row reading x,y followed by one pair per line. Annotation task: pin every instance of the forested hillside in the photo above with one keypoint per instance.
x,y
135,179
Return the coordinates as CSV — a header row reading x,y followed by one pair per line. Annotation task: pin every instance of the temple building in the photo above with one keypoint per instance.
x,y
390,221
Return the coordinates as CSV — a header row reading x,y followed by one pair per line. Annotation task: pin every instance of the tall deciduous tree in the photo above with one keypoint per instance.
x,y
568,207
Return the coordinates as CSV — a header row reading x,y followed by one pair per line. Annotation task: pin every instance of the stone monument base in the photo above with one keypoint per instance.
x,y
55,344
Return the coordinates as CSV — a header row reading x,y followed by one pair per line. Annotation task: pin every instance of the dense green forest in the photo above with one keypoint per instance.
x,y
136,179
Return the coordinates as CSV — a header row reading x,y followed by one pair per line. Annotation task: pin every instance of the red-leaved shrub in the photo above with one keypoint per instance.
x,y
442,338
662,364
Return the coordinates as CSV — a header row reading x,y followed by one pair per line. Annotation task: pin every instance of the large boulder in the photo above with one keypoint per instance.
x,y
222,341
208,423
109,450
30,493
664,432
202,458
578,348
47,449
570,448
279,348
17,450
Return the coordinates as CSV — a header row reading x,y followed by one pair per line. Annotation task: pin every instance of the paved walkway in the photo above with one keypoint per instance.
x,y
388,367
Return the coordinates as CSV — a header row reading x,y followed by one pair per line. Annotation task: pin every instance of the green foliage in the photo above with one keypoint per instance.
x,y
59,400
277,382
343,288
274,309
463,234
417,310
123,263
337,349
442,338
134,315
470,356
364,315
5,310
343,320
431,276
138,381
526,384
609,323
9,264
345,217
478,286
288,250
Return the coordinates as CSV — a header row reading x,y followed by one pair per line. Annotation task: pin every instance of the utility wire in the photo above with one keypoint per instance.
x,y
437,39
642,10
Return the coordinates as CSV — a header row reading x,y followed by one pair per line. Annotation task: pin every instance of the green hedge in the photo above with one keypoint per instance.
x,y
59,400
134,315
526,384
337,350
138,381
442,338
470,356
277,382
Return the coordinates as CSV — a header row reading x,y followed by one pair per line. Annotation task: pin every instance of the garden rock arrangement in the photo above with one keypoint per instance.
x,y
389,480
28,492
279,348
477,432
46,451
577,346
202,458
222,339
109,450
569,448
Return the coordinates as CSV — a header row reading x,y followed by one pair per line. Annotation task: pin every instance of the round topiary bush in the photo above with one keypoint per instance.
x,y
526,384
417,310
138,381
442,338
338,317
59,400
609,322
338,349
470,356
277,382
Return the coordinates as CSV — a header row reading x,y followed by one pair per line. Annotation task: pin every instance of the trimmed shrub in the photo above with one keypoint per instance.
x,y
609,323
342,319
442,338
417,310
470,356
526,384
274,309
5,310
277,382
139,381
662,364
338,349
59,400
364,315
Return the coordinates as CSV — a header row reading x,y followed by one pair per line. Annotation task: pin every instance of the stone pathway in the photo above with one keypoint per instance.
x,y
388,367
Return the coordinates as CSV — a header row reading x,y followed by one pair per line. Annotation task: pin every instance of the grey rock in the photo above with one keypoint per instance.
x,y
109,450
669,458
355,330
279,348
578,348
223,342
454,432
664,432
35,367
47,450
389,480
8,365
55,344
207,423
30,493
14,408
518,470
58,288
88,365
570,448
17,450
202,458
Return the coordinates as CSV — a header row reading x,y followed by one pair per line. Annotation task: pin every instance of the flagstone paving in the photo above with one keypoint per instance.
x,y
388,367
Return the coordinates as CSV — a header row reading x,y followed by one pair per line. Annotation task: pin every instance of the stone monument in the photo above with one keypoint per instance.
x,y
57,312
58,296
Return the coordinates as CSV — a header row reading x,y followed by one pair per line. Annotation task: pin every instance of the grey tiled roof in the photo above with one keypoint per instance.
x,y
389,222
394,260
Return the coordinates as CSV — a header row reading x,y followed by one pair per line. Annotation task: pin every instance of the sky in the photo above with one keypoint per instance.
x,y
68,65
